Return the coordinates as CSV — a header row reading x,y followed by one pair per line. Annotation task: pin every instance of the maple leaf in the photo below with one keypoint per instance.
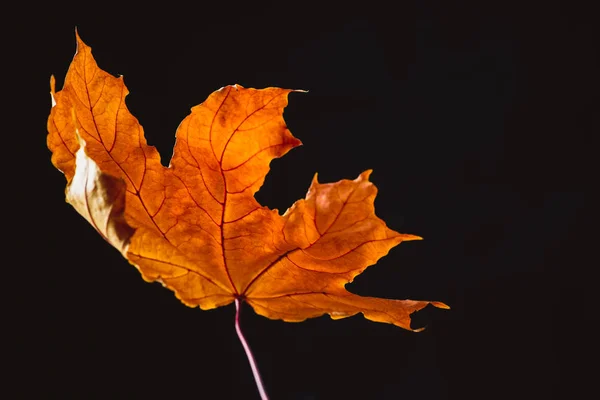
x,y
196,226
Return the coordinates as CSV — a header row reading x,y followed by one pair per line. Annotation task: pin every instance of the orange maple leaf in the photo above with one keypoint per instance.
x,y
195,226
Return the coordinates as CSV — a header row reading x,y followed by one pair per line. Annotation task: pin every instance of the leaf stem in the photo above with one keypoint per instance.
x,y
238,329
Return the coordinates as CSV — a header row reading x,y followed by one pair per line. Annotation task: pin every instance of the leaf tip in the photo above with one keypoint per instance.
x,y
365,175
79,41
439,304
77,33
315,180
407,236
52,89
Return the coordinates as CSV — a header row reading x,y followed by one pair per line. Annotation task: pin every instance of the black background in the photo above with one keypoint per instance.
x,y
479,123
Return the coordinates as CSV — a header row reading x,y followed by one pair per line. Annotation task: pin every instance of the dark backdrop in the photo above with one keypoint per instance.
x,y
478,122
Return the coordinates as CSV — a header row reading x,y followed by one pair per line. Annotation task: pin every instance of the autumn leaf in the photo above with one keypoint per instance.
x,y
195,226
